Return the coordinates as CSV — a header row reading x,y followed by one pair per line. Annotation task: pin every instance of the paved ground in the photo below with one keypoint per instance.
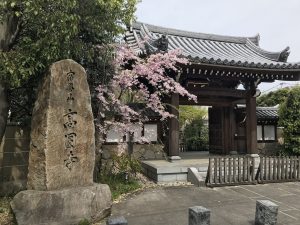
x,y
229,205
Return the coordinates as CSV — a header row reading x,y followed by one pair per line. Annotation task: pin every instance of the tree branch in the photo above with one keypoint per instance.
x,y
15,34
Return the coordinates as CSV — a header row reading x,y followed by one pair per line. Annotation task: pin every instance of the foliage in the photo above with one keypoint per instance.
x,y
196,136
120,174
6,216
289,115
84,222
126,164
22,101
48,31
187,113
195,133
150,80
273,98
53,30
118,185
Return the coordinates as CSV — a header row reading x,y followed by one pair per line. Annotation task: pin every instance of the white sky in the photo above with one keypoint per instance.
x,y
277,21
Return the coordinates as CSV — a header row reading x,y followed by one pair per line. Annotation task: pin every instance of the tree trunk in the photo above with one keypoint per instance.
x,y
9,29
3,110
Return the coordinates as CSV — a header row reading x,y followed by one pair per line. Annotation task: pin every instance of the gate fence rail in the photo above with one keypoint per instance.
x,y
278,169
225,171
236,170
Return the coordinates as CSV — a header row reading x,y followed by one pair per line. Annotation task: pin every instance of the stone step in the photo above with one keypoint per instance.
x,y
169,174
196,176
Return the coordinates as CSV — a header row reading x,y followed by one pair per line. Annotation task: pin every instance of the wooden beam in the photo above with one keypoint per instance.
x,y
228,130
208,101
173,143
251,125
223,92
242,73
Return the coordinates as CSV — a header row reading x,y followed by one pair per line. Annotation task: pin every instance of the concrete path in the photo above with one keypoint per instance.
x,y
229,205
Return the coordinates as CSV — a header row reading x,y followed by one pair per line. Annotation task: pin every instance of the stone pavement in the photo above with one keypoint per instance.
x,y
229,205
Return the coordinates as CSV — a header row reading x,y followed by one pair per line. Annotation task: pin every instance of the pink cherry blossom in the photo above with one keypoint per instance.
x,y
146,80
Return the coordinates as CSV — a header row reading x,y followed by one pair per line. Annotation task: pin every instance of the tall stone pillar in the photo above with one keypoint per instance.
x,y
173,142
251,125
62,154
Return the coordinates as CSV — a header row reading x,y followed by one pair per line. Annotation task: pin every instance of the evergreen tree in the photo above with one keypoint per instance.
x,y
289,114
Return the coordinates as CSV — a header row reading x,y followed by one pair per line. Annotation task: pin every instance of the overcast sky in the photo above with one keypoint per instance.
x,y
277,21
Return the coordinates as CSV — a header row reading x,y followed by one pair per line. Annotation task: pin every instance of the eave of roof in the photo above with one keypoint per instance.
x,y
216,50
264,113
189,34
267,113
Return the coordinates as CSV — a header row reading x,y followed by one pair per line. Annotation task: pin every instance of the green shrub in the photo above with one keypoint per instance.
x,y
84,222
124,163
119,185
196,135
289,115
121,174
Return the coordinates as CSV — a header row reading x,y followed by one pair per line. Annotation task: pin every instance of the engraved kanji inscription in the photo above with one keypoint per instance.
x,y
70,119
69,162
70,141
70,123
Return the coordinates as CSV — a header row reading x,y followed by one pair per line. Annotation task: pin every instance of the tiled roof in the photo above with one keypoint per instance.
x,y
267,113
207,48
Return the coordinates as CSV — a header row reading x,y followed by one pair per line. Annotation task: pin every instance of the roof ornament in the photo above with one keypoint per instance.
x,y
257,39
284,55
161,43
153,42
157,45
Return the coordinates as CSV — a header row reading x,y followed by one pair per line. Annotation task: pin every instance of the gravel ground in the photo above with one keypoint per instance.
x,y
6,217
146,184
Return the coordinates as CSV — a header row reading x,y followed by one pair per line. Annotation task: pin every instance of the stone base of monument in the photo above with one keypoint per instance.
x,y
62,207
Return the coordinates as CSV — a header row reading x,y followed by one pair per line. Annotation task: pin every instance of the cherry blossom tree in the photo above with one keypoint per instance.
x,y
147,80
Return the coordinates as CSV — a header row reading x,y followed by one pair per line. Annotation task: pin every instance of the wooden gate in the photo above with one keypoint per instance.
x,y
225,171
278,169
215,130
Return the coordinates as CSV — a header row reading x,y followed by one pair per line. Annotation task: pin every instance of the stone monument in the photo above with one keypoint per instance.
x,y
62,154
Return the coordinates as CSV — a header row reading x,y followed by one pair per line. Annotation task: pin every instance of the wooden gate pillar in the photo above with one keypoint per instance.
x,y
228,130
251,125
173,142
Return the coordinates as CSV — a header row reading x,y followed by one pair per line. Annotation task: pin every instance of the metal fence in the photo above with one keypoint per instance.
x,y
225,171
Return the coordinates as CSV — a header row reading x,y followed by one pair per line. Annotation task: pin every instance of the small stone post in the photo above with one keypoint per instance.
x,y
266,213
199,215
117,221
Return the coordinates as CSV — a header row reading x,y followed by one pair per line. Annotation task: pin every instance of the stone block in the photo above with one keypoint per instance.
x,y
117,221
195,177
266,213
174,158
202,169
199,215
62,149
168,170
62,207
166,178
181,177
